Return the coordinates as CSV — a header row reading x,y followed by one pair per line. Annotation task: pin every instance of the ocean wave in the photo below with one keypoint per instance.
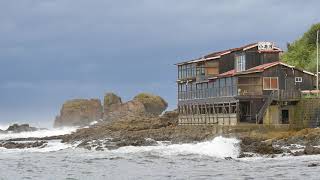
x,y
39,133
219,147
3,127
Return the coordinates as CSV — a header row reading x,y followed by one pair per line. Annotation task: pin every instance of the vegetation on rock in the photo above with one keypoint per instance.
x,y
302,52
79,112
153,104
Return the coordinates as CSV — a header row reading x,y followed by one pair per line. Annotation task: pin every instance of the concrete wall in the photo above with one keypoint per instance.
x,y
307,113
273,114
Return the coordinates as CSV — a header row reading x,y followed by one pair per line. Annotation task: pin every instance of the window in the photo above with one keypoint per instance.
x,y
270,83
200,70
298,79
240,61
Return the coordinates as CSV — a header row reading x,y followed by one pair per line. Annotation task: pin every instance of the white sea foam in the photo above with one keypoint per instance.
x,y
219,147
3,127
39,133
93,123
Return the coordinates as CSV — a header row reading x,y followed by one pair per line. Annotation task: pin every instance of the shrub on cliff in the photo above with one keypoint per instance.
x,y
302,52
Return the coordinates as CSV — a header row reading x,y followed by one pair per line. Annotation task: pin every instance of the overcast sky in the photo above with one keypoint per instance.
x,y
54,50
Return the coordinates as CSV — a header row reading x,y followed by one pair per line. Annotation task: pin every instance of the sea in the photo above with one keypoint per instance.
x,y
213,159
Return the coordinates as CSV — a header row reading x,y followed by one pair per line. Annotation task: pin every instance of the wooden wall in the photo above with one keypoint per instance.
x,y
287,78
253,58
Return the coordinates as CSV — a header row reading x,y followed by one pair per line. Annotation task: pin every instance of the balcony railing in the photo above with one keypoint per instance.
x,y
208,93
283,95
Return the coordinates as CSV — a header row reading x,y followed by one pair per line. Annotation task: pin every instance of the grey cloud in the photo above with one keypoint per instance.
x,y
52,50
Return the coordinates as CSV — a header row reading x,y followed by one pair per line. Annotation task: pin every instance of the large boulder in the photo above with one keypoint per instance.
x,y
130,108
143,104
310,150
16,128
153,104
79,112
111,103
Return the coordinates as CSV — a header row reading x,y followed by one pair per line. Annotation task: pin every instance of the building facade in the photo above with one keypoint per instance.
x,y
239,85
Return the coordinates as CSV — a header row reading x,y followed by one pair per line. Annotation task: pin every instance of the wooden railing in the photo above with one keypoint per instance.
x,y
286,95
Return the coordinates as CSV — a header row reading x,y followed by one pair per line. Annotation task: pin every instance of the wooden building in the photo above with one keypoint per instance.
x,y
248,84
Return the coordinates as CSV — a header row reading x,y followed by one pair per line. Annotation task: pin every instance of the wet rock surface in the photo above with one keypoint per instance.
x,y
311,150
18,128
257,146
22,145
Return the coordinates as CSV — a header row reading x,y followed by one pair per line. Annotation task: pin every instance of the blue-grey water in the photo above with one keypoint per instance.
x,y
185,161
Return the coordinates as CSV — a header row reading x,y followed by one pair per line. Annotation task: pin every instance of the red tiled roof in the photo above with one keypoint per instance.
x,y
218,53
228,73
263,66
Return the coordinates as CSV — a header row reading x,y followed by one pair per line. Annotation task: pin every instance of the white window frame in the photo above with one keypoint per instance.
x,y
240,62
298,79
264,88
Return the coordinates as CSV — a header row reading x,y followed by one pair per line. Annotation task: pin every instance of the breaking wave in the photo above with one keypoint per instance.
x,y
219,147
39,133
3,127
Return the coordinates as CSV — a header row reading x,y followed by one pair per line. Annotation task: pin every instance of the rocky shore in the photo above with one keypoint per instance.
x,y
142,122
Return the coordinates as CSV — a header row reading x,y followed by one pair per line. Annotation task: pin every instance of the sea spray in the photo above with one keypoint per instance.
x,y
219,147
3,127
39,133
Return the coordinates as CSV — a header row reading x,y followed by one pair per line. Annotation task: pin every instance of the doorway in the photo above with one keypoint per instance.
x,y
285,116
245,111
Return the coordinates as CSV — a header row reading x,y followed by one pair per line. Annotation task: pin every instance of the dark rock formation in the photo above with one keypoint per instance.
x,y
140,131
16,128
313,165
310,150
79,112
257,146
20,145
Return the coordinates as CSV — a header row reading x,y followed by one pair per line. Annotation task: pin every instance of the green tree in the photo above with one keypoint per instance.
x,y
302,52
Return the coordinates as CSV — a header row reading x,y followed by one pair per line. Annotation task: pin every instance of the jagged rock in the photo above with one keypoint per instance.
x,y
79,112
153,104
256,146
111,103
16,128
172,116
128,109
313,165
15,145
310,150
141,105
298,153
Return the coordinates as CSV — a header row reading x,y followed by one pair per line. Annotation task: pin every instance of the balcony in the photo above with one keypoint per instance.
x,y
287,95
227,91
